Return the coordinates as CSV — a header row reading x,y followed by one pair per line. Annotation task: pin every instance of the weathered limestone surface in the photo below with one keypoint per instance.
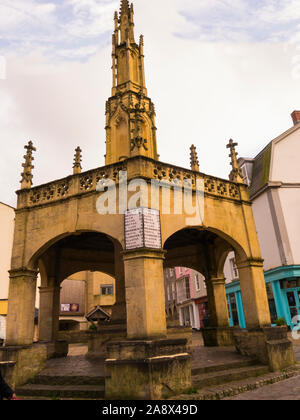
x,y
29,361
147,369
218,336
270,346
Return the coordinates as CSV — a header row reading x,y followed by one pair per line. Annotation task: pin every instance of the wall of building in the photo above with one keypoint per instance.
x,y
290,203
84,289
7,216
228,273
266,232
73,292
99,280
285,159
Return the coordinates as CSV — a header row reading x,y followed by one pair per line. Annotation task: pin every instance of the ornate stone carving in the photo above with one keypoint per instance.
x,y
77,161
236,173
26,181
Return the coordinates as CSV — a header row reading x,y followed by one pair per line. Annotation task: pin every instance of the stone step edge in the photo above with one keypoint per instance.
x,y
223,367
237,388
225,373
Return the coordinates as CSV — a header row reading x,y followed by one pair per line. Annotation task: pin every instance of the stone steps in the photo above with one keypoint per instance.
x,y
56,385
68,380
61,391
222,367
229,375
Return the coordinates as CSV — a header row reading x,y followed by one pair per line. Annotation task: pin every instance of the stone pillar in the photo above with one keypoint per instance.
x,y
49,313
89,292
269,345
145,293
254,294
119,309
218,333
217,302
21,307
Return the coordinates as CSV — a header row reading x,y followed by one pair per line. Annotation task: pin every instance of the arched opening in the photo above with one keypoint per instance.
x,y
203,254
186,297
81,293
77,273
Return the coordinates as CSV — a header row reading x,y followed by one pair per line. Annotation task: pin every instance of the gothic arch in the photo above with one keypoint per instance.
x,y
33,260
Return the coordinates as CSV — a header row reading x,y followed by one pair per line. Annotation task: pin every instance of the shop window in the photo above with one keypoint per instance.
x,y
271,300
273,311
290,283
235,317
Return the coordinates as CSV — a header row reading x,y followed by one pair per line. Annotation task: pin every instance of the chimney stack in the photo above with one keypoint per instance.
x,y
296,117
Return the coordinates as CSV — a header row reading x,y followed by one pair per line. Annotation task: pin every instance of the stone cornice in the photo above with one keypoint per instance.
x,y
137,167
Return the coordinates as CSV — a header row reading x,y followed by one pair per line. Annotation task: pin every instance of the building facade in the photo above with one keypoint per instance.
x,y
274,183
80,293
7,217
186,297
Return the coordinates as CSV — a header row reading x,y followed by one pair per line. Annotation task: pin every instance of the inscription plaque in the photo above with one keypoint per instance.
x,y
142,229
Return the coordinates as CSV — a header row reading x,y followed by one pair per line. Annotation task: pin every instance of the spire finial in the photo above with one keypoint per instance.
x,y
77,161
236,173
194,159
124,6
26,181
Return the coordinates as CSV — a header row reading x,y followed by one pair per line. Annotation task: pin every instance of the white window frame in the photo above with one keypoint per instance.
x,y
234,269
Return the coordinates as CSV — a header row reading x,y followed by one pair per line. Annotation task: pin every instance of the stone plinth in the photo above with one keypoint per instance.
x,y
269,345
176,332
98,340
218,336
29,361
56,349
147,370
7,372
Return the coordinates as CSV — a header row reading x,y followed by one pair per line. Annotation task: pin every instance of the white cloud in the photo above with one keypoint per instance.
x,y
20,11
204,94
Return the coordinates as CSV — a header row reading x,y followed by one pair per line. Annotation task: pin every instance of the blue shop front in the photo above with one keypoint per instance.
x,y
283,289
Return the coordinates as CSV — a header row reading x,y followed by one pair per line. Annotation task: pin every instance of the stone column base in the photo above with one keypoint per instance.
x,y
218,336
269,345
176,332
56,349
29,361
98,340
147,370
7,371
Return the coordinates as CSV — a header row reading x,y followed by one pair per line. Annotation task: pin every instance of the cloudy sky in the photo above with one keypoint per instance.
x,y
215,69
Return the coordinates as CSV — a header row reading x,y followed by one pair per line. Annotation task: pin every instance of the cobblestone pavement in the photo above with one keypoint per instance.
x,y
75,364
288,390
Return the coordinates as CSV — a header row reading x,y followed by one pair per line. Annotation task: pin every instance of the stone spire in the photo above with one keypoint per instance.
x,y
77,161
194,159
236,173
26,181
127,57
124,7
130,113
126,21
